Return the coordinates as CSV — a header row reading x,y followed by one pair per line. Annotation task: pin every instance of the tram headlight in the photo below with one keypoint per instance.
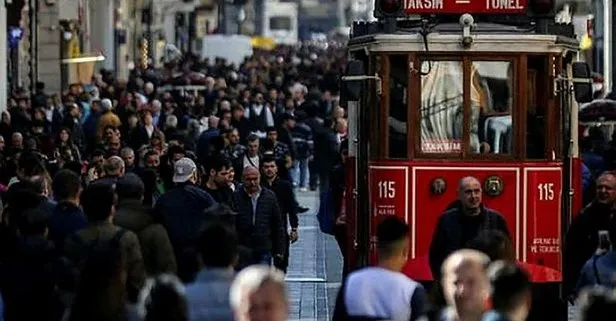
x,y
388,8
438,186
541,7
494,186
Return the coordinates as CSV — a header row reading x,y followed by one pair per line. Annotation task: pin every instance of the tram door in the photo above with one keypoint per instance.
x,y
360,92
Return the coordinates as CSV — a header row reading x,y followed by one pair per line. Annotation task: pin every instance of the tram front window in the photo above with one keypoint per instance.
x,y
491,107
398,110
442,106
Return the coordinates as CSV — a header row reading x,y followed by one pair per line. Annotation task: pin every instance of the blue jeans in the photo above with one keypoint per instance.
x,y
265,258
300,173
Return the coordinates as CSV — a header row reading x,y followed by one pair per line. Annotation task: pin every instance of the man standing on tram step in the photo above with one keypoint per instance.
x,y
288,204
462,223
259,221
582,240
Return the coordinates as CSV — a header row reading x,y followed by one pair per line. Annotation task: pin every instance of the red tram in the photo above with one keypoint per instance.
x,y
441,89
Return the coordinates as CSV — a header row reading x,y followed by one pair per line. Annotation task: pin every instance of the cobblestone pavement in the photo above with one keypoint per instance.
x,y
573,313
314,273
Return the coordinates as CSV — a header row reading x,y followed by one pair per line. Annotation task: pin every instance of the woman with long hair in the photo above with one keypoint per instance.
x,y
64,140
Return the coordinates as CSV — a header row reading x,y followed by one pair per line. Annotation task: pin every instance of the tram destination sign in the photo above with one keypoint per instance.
x,y
465,6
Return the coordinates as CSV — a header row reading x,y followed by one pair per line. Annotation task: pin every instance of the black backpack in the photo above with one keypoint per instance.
x,y
76,262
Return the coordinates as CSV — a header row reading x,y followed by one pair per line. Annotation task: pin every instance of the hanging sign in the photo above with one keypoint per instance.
x,y
465,6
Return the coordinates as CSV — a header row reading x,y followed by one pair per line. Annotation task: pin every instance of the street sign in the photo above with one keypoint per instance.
x,y
465,6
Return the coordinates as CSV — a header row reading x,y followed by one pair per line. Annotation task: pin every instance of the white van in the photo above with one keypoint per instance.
x,y
280,22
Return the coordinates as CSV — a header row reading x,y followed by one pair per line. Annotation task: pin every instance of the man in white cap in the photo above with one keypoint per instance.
x,y
181,211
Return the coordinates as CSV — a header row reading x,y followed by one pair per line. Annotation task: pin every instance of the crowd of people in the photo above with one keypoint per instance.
x,y
149,200
133,200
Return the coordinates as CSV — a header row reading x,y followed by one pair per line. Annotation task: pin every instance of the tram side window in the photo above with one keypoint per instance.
x,y
398,107
491,107
442,106
536,124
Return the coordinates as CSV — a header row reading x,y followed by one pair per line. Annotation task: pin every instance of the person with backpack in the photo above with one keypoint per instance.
x,y
131,214
98,202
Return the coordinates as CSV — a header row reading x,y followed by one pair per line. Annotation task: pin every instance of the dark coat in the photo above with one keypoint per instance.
x,y
96,232
449,235
286,198
158,256
582,241
180,211
66,219
267,234
29,279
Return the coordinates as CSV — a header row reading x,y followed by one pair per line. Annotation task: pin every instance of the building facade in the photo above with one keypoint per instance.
x,y
52,31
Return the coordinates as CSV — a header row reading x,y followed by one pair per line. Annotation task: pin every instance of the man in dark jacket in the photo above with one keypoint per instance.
x,y
462,223
181,208
67,217
288,204
582,239
316,125
181,212
132,215
302,138
98,202
259,220
217,184
326,149
29,278
251,156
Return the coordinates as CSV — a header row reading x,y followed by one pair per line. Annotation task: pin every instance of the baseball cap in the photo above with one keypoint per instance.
x,y
106,104
183,169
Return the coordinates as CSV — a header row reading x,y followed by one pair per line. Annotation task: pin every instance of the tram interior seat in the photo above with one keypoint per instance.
x,y
498,132
498,129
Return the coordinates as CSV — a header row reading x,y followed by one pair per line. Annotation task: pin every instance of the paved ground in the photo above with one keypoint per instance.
x,y
314,273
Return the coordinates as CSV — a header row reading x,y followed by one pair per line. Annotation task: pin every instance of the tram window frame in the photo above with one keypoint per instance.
x,y
467,59
515,109
555,111
386,105
378,64
541,94
416,107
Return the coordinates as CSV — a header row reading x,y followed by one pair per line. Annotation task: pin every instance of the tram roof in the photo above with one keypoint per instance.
x,y
487,37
